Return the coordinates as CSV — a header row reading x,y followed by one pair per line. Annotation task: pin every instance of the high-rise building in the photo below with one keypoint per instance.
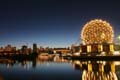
x,y
24,49
34,48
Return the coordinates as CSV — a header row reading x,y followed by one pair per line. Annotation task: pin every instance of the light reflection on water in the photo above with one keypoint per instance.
x,y
98,70
59,69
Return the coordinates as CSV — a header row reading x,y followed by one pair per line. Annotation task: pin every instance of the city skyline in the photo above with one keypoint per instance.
x,y
52,23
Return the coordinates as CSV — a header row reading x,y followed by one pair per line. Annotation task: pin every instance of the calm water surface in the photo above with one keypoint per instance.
x,y
59,70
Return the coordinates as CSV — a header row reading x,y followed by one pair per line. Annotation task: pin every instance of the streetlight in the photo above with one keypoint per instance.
x,y
119,39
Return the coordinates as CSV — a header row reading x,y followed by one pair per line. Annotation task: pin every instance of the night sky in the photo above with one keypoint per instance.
x,y
53,23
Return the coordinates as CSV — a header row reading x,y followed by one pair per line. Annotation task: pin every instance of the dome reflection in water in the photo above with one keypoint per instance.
x,y
60,69
97,70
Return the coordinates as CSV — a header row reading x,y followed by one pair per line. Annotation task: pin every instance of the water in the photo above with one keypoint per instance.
x,y
59,69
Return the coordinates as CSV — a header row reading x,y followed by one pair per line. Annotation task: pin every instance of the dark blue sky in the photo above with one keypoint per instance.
x,y
54,23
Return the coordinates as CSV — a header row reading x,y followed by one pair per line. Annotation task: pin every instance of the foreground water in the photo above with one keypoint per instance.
x,y
59,69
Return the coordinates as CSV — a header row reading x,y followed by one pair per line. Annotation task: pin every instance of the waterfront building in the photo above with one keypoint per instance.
x,y
35,50
97,37
61,50
24,50
8,50
97,48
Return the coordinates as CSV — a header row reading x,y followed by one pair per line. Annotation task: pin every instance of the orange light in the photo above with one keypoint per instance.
x,y
97,31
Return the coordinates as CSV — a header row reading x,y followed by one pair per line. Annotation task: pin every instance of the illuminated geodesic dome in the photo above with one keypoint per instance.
x,y
97,31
